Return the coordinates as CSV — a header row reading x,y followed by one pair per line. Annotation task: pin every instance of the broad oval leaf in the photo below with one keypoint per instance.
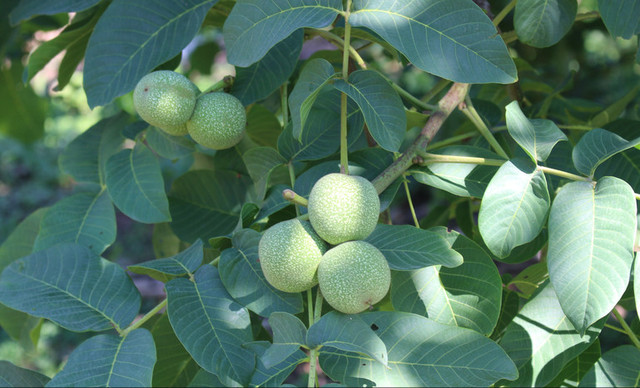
x,y
576,369
110,361
71,286
262,126
591,235
596,146
348,333
616,368
514,207
267,375
537,137
453,39
243,278
406,247
29,8
85,218
254,26
259,80
133,37
170,147
542,23
183,263
134,181
421,353
206,203
541,340
211,326
622,17
260,162
380,104
14,376
287,329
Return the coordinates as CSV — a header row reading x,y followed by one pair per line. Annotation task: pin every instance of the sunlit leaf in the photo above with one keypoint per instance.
x,y
577,368
616,368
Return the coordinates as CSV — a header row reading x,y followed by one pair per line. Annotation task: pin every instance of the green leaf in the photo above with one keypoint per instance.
x,y
87,219
71,286
85,158
260,162
111,361
636,282
514,207
273,375
254,26
577,368
616,368
26,9
622,17
184,263
596,146
259,80
211,326
421,353
453,39
461,179
315,75
287,329
591,236
262,126
542,23
537,137
508,310
13,376
126,43
614,110
468,295
167,146
135,184
206,204
541,340
174,367
273,202
406,247
205,379
380,104
348,333
243,278
530,279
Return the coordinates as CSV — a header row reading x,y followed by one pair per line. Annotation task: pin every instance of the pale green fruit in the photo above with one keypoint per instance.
x,y
165,99
289,254
353,276
343,208
218,121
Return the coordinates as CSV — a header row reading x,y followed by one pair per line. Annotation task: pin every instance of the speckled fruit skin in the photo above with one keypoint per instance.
x,y
353,276
343,208
218,121
289,254
165,99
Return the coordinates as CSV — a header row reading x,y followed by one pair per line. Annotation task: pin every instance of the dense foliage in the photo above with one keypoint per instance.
x,y
452,105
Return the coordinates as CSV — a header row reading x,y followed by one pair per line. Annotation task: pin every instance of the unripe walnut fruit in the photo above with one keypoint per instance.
x,y
343,208
289,254
165,99
353,276
218,121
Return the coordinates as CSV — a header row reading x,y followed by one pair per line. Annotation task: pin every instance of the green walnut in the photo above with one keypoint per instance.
x,y
343,208
353,276
218,121
166,99
289,254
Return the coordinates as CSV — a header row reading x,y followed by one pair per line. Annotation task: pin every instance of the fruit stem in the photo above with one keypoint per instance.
x,y
626,328
144,319
293,197
311,382
292,179
344,158
224,83
405,181
284,103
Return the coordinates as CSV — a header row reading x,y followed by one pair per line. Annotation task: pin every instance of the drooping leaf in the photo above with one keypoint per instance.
x,y
259,80
621,17
71,286
111,361
272,375
347,332
541,340
183,263
453,39
85,158
616,368
29,8
514,207
135,184
174,366
206,203
14,376
133,37
542,23
243,278
170,147
260,162
254,26
537,137
87,219
576,369
421,353
596,146
591,235
211,326
380,104
406,247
